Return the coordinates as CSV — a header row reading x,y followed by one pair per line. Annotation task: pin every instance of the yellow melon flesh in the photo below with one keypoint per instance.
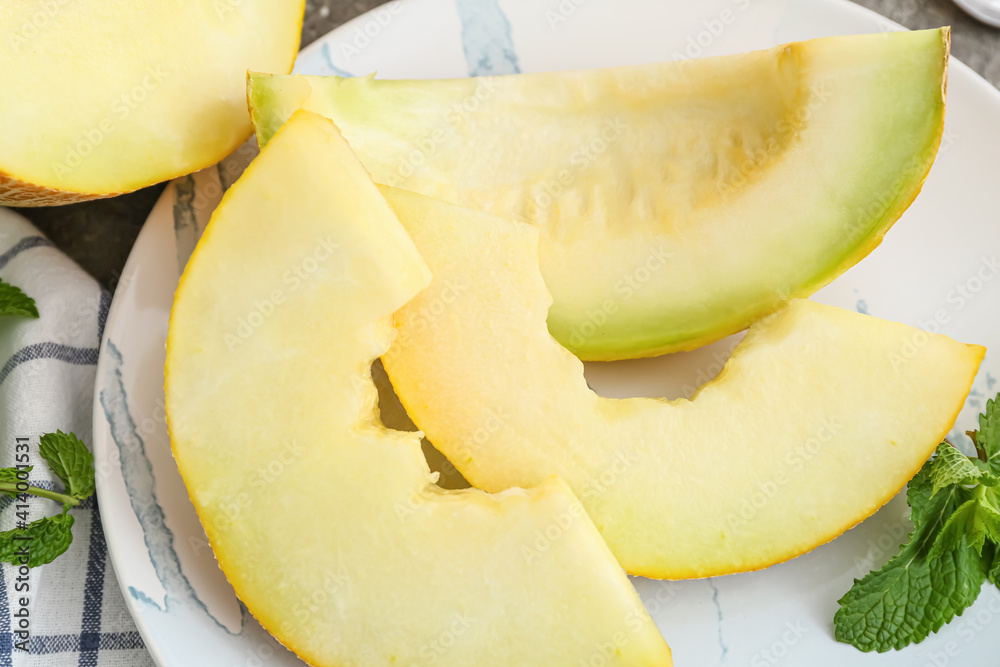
x,y
104,97
678,202
820,416
328,525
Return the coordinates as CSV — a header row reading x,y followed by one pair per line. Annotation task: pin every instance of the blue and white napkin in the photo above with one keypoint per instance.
x,y
72,608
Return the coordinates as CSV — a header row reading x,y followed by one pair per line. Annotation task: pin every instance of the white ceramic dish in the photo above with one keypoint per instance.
x,y
936,269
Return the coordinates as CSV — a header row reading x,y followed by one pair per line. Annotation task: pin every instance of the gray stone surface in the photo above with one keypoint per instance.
x,y
99,235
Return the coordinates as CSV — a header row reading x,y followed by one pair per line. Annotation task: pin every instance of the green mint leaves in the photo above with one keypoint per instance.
x,y
39,543
8,478
71,461
987,438
43,540
954,547
15,302
953,467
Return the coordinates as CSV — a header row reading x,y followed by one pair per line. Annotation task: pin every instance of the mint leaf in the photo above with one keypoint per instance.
x,y
914,594
9,476
909,598
71,461
928,508
43,541
976,520
988,519
994,573
15,302
959,525
951,466
987,438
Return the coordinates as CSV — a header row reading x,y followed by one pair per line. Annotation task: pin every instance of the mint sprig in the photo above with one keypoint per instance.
x,y
15,302
987,438
70,460
953,467
43,540
8,478
953,549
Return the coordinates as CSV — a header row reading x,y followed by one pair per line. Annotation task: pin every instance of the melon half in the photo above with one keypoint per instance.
x,y
104,97
677,202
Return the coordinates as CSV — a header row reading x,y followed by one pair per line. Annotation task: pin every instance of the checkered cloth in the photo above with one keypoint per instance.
x,y
75,610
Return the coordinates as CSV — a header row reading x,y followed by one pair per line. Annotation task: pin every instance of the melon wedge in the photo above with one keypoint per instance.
x,y
103,97
820,416
328,525
677,202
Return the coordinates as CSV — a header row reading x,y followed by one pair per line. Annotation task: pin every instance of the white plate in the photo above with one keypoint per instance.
x,y
936,266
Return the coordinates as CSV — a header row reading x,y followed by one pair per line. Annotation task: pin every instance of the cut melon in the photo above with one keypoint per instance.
x,y
820,416
103,97
328,525
678,202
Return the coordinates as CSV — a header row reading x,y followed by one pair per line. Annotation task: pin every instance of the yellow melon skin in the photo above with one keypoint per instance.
x,y
104,97
328,525
677,202
819,418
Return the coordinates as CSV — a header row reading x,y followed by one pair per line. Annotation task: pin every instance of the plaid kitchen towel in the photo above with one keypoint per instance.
x,y
71,611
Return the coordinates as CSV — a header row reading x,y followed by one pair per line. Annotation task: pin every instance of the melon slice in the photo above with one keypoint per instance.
x,y
328,525
820,416
103,97
677,202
